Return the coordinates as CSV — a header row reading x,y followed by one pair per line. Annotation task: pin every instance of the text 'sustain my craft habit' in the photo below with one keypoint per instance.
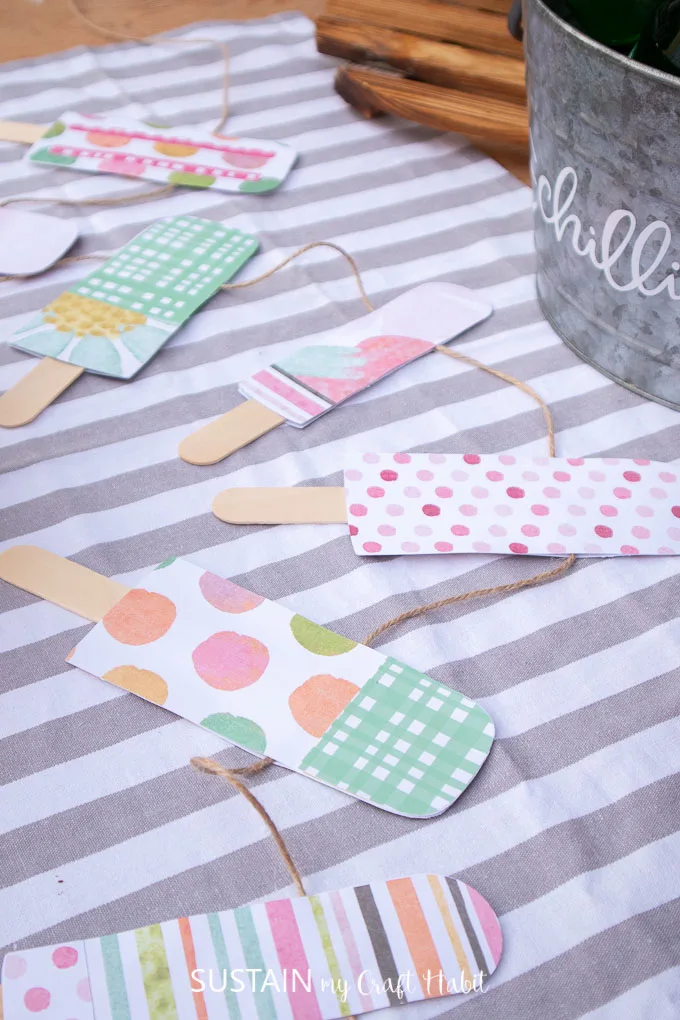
x,y
320,957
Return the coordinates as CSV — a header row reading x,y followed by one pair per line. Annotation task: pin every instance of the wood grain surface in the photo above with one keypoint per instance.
x,y
499,128
30,29
445,64
478,29
35,27
500,6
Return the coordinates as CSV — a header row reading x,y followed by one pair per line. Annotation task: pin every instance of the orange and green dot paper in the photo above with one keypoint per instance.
x,y
278,684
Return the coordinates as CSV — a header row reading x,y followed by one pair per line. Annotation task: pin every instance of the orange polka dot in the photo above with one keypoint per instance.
x,y
139,681
318,701
140,617
105,140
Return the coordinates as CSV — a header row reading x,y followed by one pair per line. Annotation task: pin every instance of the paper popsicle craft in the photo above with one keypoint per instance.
x,y
271,681
116,319
333,366
114,144
30,242
319,957
439,503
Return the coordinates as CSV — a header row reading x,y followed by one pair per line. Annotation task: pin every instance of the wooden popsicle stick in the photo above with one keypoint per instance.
x,y
61,581
36,391
298,505
18,131
228,433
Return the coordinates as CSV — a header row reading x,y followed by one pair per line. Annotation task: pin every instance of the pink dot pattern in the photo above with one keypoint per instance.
x,y
503,503
49,983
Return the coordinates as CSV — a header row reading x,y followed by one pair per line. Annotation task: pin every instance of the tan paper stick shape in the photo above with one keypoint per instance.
x,y
298,505
228,433
18,131
61,581
36,391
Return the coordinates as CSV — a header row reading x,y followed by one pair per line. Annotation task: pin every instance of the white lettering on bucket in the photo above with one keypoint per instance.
x,y
554,205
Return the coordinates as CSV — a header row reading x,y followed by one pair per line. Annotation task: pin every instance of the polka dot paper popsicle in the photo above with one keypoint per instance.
x,y
500,503
193,157
280,685
320,957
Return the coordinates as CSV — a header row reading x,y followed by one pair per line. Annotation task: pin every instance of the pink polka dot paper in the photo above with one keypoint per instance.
x,y
497,503
48,983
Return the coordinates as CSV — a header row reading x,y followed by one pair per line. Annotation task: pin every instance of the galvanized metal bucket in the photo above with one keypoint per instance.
x,y
605,135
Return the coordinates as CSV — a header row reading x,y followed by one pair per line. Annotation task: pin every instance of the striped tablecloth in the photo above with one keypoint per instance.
x,y
570,830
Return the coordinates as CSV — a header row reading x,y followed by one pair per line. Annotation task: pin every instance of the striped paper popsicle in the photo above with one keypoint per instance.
x,y
335,365
317,957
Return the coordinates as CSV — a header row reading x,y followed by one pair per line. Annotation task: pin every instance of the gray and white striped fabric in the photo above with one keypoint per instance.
x,y
571,828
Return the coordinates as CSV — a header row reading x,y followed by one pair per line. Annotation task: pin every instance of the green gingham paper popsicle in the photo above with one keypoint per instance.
x,y
279,685
118,317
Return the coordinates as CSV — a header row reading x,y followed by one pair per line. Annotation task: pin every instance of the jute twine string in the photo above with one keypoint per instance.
x,y
232,286
233,776
138,197
112,33
209,765
213,768
301,251
145,196
502,589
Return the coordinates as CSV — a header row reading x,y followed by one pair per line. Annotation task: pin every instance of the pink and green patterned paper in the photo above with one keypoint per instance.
x,y
420,503
275,683
330,367
115,144
320,957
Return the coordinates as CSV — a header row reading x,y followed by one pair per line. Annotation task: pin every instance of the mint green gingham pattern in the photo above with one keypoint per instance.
x,y
169,270
404,743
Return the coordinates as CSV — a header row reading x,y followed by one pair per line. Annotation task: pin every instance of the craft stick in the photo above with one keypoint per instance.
x,y
228,433
18,131
61,581
36,391
298,505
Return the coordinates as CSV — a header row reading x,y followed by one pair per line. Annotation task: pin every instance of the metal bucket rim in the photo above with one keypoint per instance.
x,y
580,39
